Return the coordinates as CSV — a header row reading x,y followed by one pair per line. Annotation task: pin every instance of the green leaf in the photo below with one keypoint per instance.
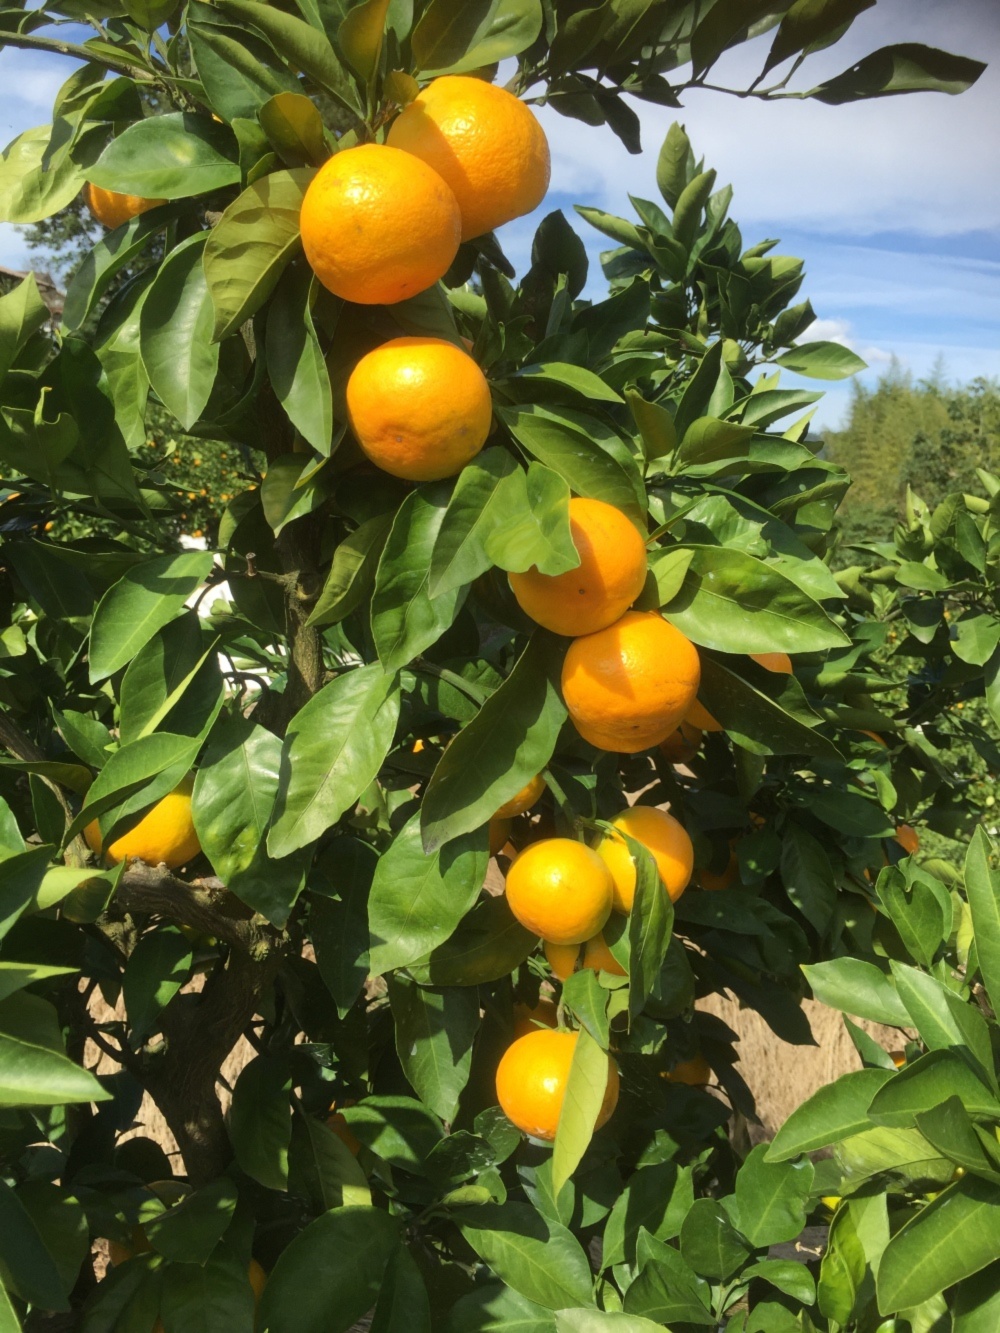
x,y
771,1198
405,618
907,67
488,944
29,192
539,1258
360,36
295,362
656,425
157,968
453,39
176,330
418,899
650,921
707,440
400,1130
856,987
850,813
338,917
535,530
689,208
762,712
150,14
843,1269
330,1274
675,164
133,778
833,1113
321,1166
108,257
145,599
822,361
508,743
709,1241
249,246
28,1268
810,25
403,1303
212,1297
352,573
189,1231
585,1088
435,1030
667,1287
172,684
238,70
479,505
333,749
23,873
33,1075
62,1224
735,603
584,382
982,887
603,1321
173,156
22,313
15,976
927,1082
948,1126
260,1121
493,1308
807,875
294,127
952,1238
587,1000
656,1198
976,1302
794,1279
292,487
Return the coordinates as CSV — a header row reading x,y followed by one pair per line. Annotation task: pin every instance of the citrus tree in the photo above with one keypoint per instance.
x,y
374,790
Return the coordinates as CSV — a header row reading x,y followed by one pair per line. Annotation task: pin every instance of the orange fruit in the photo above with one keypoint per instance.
x,y
166,835
780,663
908,838
378,225
721,879
599,958
562,958
683,744
343,1131
531,1082
608,579
420,408
485,143
561,890
695,1072
663,836
112,209
118,1253
499,835
628,686
699,716
524,799
526,1020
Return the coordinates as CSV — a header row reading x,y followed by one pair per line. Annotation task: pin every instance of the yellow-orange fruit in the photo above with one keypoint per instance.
x,y
664,837
485,143
695,1072
682,745
599,958
118,1253
378,225
561,958
420,408
343,1131
628,686
908,838
166,835
720,879
780,663
532,1077
499,835
524,799
608,579
112,209
526,1020
561,890
699,716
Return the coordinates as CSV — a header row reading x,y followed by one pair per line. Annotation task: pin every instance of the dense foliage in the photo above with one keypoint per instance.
x,y
347,672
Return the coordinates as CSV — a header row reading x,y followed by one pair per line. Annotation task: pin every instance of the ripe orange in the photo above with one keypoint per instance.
x,y
682,745
721,879
112,209
695,1072
499,835
662,835
524,799
699,716
628,686
603,586
378,225
526,1020
166,835
560,890
485,143
908,838
562,958
599,958
419,407
531,1082
780,663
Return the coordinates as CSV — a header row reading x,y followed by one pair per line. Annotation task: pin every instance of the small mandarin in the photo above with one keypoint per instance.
x,y
608,579
114,210
378,225
682,745
484,142
526,1019
780,663
420,408
499,835
663,836
561,958
699,716
165,835
532,1077
524,799
713,880
561,890
628,686
695,1072
908,838
599,958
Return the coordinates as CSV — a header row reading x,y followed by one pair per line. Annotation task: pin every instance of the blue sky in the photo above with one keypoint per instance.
x,y
894,204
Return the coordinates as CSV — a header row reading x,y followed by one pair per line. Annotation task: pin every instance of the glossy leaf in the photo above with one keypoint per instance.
x,y
352,571
488,944
176,333
295,362
833,1113
540,1259
140,603
173,156
656,1198
28,1267
294,126
360,35
435,1030
822,361
339,884
982,885
478,506
585,1089
857,987
260,1121
157,968
907,67
22,313
772,1198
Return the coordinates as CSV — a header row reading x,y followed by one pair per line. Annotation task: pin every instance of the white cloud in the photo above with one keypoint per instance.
x,y
840,331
